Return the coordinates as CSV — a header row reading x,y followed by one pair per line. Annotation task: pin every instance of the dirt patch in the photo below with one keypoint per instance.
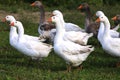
x,y
4,13
33,16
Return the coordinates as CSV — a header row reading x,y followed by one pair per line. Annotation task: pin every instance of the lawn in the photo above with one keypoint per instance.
x,y
16,66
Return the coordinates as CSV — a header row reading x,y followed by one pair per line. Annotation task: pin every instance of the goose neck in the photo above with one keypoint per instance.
x,y
88,13
20,30
12,31
60,30
42,14
107,28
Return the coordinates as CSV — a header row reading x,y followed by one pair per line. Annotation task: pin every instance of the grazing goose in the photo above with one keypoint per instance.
x,y
90,25
35,49
109,44
113,33
68,26
10,19
74,54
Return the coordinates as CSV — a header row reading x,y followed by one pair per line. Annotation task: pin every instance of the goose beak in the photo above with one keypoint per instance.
x,y
12,24
4,20
49,19
33,4
114,18
97,20
80,7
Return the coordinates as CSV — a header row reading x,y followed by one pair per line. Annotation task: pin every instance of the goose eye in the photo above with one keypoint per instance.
x,y
6,17
53,17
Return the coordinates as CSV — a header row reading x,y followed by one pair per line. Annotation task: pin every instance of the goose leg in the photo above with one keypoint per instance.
x,y
80,67
68,68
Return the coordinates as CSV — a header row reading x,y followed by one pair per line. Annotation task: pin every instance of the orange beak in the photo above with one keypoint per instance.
x,y
114,18
33,4
4,20
49,19
97,20
12,24
80,7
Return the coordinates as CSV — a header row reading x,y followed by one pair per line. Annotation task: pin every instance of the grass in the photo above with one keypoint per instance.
x,y
16,66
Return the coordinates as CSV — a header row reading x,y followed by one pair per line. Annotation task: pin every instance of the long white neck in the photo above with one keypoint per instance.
x,y
13,32
60,30
100,31
107,28
62,19
20,31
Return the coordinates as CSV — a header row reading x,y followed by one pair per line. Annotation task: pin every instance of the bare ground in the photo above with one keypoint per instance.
x,y
33,16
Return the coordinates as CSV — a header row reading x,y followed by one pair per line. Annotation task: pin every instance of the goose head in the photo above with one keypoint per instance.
x,y
37,4
16,23
99,13
101,18
53,19
9,18
116,19
57,13
83,7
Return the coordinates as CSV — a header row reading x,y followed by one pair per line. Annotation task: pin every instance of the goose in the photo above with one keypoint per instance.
x,y
44,28
90,25
52,30
35,49
109,44
80,37
68,26
113,33
73,54
11,18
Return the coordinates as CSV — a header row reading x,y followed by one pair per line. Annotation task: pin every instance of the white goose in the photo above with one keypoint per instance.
x,y
68,26
33,48
10,19
109,44
74,54
101,28
113,33
74,36
90,25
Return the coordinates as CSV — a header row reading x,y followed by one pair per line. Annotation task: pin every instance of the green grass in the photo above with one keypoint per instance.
x,y
16,66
